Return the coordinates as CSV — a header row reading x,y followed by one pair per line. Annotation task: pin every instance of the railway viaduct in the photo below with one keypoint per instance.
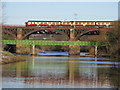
x,y
71,33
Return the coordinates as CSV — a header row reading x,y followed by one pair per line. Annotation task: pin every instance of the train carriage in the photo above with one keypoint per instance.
x,y
98,24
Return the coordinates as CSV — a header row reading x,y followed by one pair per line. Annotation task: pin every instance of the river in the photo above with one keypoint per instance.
x,y
58,70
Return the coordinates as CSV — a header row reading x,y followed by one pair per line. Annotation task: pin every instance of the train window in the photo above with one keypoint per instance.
x,y
98,23
76,22
45,22
68,23
91,23
48,23
105,23
36,22
29,23
53,22
57,22
39,22
42,22
33,22
64,22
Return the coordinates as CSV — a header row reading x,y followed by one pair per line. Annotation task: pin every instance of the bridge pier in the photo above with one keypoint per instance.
x,y
19,37
73,50
96,50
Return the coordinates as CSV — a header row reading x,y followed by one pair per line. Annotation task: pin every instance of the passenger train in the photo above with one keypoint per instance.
x,y
99,24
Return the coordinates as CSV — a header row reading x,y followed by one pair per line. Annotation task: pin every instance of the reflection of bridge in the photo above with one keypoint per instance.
x,y
71,33
67,73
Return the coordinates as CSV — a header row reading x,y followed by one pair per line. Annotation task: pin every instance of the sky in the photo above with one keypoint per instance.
x,y
17,13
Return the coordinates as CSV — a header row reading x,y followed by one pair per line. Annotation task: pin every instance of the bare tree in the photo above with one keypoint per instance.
x,y
3,14
2,20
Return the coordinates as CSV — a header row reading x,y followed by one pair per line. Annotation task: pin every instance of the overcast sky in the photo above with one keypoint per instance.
x,y
17,13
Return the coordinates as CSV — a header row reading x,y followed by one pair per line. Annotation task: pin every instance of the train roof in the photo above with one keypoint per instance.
x,y
68,21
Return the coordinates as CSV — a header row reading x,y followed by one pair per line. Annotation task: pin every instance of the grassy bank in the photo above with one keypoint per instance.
x,y
8,57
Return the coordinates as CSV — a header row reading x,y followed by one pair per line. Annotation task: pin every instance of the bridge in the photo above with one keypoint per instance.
x,y
70,43
22,32
72,34
65,43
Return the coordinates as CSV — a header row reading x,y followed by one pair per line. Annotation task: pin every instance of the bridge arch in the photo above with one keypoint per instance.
x,y
81,34
60,32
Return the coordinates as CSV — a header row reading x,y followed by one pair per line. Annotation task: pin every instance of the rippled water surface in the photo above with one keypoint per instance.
x,y
62,72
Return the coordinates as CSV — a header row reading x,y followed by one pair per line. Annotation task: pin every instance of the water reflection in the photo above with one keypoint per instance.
x,y
72,70
114,76
63,53
61,72
18,69
33,61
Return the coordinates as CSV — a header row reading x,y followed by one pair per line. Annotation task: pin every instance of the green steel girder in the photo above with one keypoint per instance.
x,y
38,42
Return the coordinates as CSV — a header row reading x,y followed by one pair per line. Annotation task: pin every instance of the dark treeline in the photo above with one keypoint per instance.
x,y
114,39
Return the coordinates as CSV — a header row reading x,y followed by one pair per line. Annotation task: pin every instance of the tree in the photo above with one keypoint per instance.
x,y
114,39
2,13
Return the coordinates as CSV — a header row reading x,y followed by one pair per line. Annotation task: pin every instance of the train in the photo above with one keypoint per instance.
x,y
99,24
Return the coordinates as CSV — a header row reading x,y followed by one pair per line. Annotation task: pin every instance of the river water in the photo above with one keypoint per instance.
x,y
58,70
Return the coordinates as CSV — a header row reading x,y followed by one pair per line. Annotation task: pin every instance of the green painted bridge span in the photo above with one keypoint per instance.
x,y
38,42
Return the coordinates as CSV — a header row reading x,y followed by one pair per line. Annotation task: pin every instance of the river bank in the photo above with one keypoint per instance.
x,y
8,57
109,56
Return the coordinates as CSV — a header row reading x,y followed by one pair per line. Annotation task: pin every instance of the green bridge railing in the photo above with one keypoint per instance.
x,y
38,42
